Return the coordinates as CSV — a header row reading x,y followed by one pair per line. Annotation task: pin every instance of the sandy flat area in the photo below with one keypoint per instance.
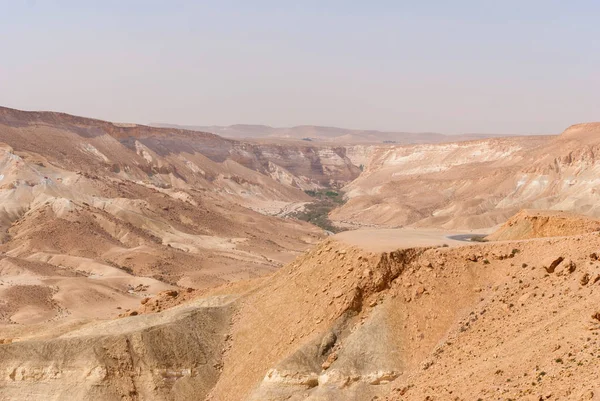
x,y
383,240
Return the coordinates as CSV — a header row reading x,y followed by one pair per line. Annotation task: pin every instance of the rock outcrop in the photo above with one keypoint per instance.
x,y
544,223
478,184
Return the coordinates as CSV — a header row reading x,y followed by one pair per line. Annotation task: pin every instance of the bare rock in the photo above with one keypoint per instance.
x,y
566,267
330,359
550,264
473,257
327,343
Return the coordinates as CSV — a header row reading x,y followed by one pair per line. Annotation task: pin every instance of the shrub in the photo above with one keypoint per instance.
x,y
317,212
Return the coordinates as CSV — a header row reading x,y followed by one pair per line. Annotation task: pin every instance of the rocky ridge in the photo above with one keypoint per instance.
x,y
349,323
477,184
543,223
134,265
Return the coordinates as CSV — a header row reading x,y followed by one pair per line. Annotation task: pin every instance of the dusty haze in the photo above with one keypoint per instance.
x,y
492,67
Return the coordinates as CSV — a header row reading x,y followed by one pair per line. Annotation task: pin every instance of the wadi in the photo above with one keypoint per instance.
x,y
161,263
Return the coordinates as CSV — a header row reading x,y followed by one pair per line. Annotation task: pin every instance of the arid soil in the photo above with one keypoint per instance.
x,y
477,184
142,263
505,320
92,220
543,223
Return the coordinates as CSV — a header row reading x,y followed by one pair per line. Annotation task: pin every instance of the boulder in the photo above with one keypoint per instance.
x,y
550,264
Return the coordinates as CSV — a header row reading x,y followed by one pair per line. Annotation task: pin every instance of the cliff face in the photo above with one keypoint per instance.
x,y
476,184
162,150
95,216
342,322
308,167
436,184
172,356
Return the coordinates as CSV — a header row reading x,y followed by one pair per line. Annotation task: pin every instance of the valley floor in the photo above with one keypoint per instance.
x,y
389,239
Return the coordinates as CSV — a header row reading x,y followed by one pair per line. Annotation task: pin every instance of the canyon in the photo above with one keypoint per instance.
x,y
476,184
161,263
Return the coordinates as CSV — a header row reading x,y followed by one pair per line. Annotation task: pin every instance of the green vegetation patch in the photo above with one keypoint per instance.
x,y
317,212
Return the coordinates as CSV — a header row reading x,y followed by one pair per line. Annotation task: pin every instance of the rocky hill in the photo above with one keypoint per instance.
x,y
476,184
142,263
544,223
175,151
516,320
95,216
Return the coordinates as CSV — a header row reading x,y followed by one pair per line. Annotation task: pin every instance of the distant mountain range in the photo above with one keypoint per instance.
x,y
326,134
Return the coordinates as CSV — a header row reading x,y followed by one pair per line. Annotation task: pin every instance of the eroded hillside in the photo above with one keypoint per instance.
x,y
92,219
510,320
544,223
476,184
140,263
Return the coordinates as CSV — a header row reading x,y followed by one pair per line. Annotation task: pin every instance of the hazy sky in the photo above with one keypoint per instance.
x,y
526,66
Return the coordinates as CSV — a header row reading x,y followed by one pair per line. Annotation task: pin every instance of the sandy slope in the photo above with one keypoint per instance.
x,y
95,216
105,226
491,321
476,184
544,223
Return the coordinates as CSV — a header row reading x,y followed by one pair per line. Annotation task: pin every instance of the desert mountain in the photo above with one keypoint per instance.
x,y
516,320
476,184
95,215
144,263
544,223
325,134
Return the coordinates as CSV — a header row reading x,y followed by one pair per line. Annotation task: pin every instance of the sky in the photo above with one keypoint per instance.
x,y
510,67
